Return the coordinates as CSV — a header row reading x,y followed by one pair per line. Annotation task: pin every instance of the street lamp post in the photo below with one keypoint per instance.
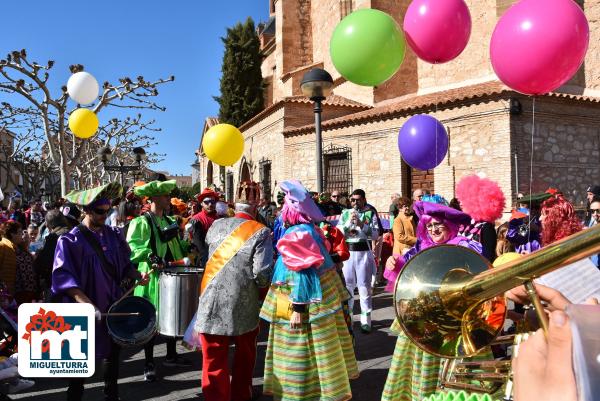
x,y
106,153
316,85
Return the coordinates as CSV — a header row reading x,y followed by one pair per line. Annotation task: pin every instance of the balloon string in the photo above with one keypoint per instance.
x,y
531,167
437,162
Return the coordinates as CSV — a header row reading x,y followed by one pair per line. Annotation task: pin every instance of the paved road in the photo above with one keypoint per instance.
x,y
373,352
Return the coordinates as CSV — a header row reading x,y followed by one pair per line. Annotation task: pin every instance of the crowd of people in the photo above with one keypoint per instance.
x,y
296,263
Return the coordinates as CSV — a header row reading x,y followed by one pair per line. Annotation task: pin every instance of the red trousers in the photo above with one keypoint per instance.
x,y
215,366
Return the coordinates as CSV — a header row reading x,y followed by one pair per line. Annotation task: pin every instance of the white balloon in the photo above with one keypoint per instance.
x,y
82,87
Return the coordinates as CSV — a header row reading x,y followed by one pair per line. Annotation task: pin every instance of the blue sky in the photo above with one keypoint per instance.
x,y
153,38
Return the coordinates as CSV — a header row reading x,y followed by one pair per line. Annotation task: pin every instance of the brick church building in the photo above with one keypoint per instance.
x,y
489,125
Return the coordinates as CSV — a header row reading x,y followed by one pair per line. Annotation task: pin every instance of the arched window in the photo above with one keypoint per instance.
x,y
209,174
245,172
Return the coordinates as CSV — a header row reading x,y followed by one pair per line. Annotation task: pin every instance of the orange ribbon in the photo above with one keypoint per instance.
x,y
228,249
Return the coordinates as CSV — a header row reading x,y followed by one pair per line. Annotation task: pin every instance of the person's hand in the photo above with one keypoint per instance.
x,y
296,320
156,262
390,263
543,367
554,299
144,279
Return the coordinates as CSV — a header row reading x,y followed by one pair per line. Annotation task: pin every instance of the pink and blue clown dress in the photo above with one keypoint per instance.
x,y
316,361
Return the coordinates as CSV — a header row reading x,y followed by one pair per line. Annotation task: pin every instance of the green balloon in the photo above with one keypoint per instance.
x,y
367,47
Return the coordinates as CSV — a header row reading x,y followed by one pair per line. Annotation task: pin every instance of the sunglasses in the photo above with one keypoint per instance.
x,y
435,226
354,200
209,201
335,196
100,212
595,211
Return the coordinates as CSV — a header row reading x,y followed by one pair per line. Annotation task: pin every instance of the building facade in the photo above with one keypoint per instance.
x,y
490,127
181,180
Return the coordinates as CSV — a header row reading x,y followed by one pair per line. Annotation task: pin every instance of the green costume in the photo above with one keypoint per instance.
x,y
139,237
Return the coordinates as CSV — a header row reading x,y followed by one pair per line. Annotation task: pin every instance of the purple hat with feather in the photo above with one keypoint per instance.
x,y
297,197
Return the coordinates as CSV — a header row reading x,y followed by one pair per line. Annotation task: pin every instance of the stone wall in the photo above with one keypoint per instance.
x,y
592,59
479,143
300,114
299,44
473,64
263,140
325,16
296,32
566,146
406,80
375,159
362,94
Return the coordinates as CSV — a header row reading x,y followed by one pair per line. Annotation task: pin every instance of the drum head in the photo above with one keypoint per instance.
x,y
132,330
182,270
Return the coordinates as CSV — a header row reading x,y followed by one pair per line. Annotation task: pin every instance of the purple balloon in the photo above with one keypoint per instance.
x,y
423,142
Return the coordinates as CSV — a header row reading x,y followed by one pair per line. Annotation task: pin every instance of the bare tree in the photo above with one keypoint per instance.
x,y
25,152
29,79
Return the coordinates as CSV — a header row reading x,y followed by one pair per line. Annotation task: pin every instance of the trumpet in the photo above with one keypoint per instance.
x,y
450,302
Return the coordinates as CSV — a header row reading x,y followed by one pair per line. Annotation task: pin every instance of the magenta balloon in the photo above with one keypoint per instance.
x,y
437,30
538,45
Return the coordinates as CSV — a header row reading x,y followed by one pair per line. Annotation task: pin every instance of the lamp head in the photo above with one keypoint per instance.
x,y
316,84
105,153
140,154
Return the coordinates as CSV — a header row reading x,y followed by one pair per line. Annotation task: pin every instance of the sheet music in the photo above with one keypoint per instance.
x,y
585,325
577,281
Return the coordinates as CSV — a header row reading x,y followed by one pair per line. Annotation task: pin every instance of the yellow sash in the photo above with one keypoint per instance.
x,y
228,249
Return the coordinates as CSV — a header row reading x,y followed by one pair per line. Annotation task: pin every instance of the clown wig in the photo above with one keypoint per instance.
x,y
480,198
559,219
178,206
291,215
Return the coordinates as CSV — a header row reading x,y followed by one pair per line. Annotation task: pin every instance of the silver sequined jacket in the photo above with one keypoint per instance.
x,y
229,305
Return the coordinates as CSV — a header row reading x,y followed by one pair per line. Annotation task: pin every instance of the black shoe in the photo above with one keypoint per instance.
x,y
177,362
149,373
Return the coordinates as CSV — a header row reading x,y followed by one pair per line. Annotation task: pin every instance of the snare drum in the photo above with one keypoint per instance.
x,y
129,331
178,299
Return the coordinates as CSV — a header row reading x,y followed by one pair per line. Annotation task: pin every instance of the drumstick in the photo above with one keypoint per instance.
x,y
129,291
121,314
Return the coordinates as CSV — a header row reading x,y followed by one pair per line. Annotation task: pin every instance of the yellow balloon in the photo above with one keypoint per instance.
x,y
506,257
223,144
83,123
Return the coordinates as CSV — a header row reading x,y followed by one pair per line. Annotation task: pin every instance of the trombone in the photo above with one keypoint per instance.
x,y
450,302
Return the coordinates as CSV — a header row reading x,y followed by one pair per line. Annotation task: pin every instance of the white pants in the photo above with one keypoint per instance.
x,y
358,272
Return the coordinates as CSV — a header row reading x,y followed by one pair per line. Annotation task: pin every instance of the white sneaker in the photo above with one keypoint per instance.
x,y
20,385
365,322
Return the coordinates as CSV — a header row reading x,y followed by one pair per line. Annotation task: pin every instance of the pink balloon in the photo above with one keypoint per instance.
x,y
437,30
538,45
